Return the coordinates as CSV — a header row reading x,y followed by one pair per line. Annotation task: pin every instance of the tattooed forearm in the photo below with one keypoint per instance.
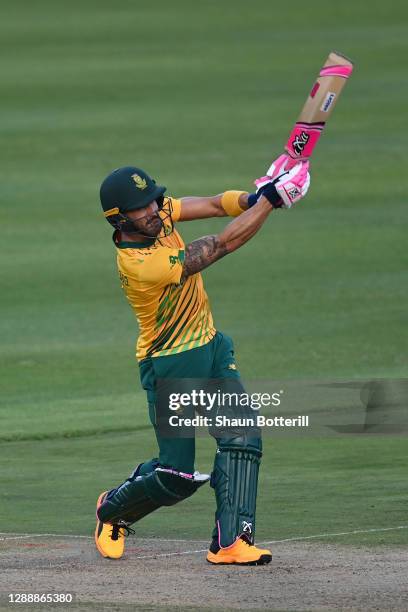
x,y
202,253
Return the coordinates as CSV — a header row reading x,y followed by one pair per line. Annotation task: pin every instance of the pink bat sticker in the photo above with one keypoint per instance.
x,y
314,89
342,71
303,139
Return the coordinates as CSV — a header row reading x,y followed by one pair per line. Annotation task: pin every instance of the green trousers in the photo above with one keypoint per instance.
x,y
213,360
235,473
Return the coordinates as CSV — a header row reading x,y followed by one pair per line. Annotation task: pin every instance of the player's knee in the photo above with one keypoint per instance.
x,y
251,444
243,448
167,487
143,494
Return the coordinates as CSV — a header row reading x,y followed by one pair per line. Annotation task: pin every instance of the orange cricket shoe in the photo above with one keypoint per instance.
x,y
239,553
110,539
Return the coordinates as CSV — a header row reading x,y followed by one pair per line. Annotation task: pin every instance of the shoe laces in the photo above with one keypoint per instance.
x,y
245,541
116,531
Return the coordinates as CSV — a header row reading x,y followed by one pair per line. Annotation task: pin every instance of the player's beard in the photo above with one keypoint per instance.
x,y
152,227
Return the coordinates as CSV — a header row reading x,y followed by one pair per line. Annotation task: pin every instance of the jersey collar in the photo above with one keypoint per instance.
x,y
121,244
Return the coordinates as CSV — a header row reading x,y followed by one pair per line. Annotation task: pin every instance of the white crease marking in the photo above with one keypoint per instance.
x,y
202,550
341,533
297,539
21,536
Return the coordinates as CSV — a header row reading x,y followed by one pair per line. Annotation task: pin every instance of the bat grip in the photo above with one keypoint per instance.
x,y
303,140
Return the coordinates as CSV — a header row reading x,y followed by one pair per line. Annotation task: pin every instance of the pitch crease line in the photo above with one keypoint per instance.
x,y
193,552
341,533
23,536
20,536
297,539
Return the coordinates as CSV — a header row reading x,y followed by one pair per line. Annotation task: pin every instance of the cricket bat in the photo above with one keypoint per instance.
x,y
319,106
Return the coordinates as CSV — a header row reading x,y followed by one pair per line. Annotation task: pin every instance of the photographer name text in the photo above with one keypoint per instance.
x,y
223,421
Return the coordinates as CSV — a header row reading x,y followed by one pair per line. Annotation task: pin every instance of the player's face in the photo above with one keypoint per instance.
x,y
147,219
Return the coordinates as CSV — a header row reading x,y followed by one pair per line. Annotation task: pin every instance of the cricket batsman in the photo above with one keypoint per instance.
x,y
161,278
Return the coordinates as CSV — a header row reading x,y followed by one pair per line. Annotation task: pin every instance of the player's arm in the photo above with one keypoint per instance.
x,y
283,191
203,252
234,203
214,206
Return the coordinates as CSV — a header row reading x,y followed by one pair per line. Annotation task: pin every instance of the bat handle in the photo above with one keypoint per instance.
x,y
303,140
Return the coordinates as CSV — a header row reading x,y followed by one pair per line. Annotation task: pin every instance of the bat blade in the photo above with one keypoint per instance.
x,y
319,106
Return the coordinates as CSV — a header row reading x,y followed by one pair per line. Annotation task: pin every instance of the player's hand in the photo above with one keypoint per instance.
x,y
294,185
282,164
283,190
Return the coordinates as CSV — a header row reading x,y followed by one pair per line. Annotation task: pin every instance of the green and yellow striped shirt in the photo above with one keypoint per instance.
x,y
172,317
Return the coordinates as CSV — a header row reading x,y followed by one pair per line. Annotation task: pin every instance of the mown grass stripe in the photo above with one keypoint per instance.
x,y
75,433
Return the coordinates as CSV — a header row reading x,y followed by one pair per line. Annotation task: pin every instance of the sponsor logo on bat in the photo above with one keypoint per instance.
x,y
300,142
328,101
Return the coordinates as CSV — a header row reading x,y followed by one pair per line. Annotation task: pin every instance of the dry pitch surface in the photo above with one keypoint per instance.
x,y
173,575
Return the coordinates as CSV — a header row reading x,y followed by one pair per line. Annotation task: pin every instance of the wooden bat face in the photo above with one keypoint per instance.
x,y
319,106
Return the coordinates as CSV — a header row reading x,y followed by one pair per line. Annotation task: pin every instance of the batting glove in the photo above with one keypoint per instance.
x,y
282,164
287,188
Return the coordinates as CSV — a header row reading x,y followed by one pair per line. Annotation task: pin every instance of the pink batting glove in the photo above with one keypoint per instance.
x,y
290,185
282,164
294,185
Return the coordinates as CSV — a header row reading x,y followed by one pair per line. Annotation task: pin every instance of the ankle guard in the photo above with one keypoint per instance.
x,y
235,480
141,495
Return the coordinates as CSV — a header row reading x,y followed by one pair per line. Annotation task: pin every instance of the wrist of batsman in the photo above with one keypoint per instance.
x,y
230,202
269,192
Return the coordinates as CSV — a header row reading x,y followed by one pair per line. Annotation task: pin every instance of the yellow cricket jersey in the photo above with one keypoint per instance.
x,y
172,317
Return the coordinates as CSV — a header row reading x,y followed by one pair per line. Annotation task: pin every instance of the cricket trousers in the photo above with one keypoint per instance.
x,y
214,360
167,479
235,473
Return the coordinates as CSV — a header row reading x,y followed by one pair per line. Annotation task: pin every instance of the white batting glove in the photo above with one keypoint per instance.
x,y
294,185
282,164
283,188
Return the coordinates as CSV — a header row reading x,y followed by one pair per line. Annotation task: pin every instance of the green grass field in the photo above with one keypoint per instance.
x,y
202,96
